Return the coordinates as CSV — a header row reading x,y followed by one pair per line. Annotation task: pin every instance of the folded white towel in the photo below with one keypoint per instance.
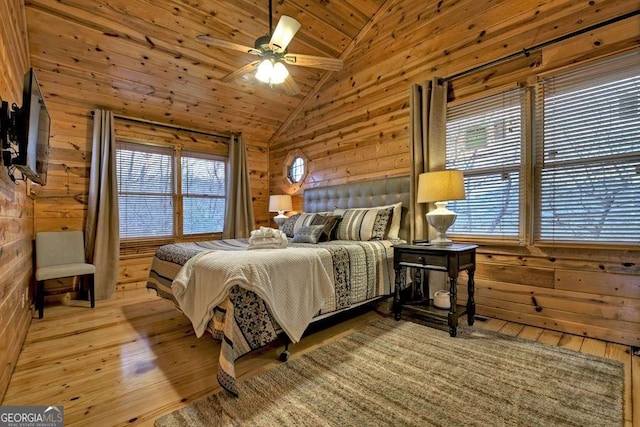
x,y
267,238
267,245
265,232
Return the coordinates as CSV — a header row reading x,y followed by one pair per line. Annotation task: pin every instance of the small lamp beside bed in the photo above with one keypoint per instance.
x,y
440,187
280,203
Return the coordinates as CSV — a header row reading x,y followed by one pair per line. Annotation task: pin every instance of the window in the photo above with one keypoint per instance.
x,y
145,190
203,193
588,153
295,167
148,195
585,162
296,170
484,138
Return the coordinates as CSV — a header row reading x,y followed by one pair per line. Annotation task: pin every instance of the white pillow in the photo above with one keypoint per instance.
x,y
394,228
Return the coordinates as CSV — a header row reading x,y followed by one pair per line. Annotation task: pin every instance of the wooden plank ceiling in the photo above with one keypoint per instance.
x,y
140,58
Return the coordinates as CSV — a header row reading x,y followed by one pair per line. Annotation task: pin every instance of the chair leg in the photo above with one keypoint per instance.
x,y
40,299
92,290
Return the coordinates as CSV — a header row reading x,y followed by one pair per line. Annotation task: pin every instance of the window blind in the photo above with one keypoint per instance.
x,y
145,190
484,139
203,193
588,153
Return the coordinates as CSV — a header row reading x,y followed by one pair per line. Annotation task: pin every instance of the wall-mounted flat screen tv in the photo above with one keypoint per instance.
x,y
32,132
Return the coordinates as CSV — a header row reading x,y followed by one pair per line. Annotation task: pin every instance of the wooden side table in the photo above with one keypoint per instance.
x,y
451,259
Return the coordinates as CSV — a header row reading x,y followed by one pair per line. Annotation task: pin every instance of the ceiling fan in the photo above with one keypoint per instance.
x,y
272,51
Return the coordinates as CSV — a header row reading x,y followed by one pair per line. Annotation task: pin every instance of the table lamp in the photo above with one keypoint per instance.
x,y
280,203
440,187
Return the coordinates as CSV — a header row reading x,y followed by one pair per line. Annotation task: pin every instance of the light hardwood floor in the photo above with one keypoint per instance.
x,y
134,358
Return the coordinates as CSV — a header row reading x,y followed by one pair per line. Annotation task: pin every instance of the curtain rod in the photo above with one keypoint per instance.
x,y
151,122
527,51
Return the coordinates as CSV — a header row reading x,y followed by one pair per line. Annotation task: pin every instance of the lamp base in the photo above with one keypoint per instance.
x,y
280,218
441,219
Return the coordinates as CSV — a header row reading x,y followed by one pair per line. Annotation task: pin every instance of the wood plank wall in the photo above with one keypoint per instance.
x,y
141,60
16,208
357,129
62,203
135,260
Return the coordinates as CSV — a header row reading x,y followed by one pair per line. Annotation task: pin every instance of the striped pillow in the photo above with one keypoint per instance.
x,y
394,228
296,222
364,224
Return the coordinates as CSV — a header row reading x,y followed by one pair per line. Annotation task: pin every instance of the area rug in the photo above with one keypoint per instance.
x,y
405,374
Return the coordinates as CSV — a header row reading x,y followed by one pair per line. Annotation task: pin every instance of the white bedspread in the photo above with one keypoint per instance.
x,y
293,282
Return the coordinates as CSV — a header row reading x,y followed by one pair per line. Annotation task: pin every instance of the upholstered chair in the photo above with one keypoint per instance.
x,y
61,254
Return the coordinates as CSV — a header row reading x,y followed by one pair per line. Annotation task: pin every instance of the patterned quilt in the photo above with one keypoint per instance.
x,y
243,322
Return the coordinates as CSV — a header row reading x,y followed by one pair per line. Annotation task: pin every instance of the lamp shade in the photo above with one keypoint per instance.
x,y
280,202
440,186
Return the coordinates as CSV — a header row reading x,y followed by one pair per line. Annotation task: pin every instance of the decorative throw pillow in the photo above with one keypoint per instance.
x,y
308,234
287,226
295,222
394,225
329,222
364,224
393,231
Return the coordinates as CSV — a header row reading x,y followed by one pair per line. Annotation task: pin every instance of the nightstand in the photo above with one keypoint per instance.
x,y
450,259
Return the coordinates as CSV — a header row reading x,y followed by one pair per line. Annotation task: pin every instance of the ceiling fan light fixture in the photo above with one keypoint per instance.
x,y
271,49
264,71
285,30
279,74
271,72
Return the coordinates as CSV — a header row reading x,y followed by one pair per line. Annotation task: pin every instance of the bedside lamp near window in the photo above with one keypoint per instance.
x,y
280,203
440,187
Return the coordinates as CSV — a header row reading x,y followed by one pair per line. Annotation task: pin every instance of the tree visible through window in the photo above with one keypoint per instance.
x,y
484,139
148,196
203,193
145,190
585,164
588,172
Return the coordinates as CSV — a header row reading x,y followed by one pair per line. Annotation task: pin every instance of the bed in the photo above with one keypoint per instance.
x,y
213,282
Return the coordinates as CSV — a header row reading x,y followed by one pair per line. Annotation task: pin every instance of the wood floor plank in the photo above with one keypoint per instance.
x,y
135,358
85,319
593,347
491,324
572,342
530,333
550,337
511,329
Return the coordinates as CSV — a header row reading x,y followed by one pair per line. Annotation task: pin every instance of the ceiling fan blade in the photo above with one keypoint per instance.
x,y
239,72
285,30
226,44
326,63
290,86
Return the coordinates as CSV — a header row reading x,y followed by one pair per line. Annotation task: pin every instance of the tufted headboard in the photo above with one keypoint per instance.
x,y
362,194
